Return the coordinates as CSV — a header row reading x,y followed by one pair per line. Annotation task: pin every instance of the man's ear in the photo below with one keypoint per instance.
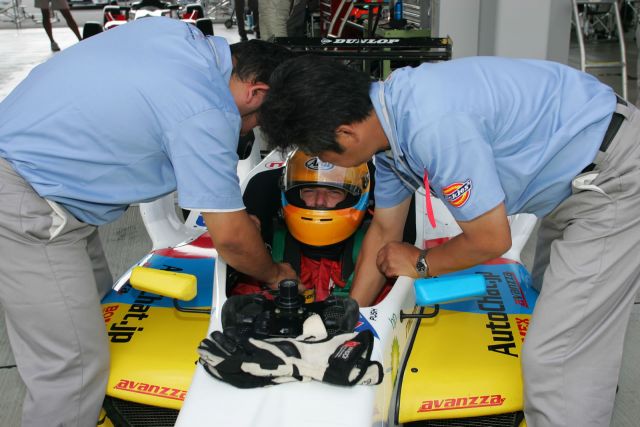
x,y
256,92
347,135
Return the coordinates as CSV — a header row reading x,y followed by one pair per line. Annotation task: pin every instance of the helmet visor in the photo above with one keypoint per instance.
x,y
302,171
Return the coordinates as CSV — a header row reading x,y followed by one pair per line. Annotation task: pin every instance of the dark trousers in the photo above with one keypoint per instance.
x,y
253,7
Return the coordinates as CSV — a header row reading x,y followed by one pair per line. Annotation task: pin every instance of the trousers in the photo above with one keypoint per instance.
x,y
586,268
273,18
53,273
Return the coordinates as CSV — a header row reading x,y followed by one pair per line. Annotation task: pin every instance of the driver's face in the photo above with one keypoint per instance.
x,y
322,197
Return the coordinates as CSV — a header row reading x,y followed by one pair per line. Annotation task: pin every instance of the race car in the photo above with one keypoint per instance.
x,y
458,361
455,361
115,15
450,363
90,4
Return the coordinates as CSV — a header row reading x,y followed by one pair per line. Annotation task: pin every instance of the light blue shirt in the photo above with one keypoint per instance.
x,y
488,130
128,116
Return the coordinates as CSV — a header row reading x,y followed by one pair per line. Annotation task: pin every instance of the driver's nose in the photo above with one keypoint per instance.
x,y
320,199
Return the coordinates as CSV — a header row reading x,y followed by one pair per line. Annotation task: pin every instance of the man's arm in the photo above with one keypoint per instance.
x,y
238,240
484,238
387,226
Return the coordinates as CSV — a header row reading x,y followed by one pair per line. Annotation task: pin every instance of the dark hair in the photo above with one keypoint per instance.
x,y
308,99
255,60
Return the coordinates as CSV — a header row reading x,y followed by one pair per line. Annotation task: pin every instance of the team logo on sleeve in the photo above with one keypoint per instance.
x,y
457,193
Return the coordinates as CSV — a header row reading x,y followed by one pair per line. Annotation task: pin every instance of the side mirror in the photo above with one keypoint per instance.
x,y
166,283
446,289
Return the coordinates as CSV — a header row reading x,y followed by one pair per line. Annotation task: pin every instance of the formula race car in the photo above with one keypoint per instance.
x,y
449,363
115,15
89,4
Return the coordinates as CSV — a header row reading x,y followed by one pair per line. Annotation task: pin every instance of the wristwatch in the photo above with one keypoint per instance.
x,y
421,265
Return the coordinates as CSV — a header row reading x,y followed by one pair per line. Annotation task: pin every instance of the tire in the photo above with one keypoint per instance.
x,y
91,28
228,23
205,25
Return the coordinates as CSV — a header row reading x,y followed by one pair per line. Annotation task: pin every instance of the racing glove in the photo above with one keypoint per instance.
x,y
222,357
343,359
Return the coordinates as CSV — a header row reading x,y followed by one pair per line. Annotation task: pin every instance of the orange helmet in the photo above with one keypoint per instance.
x,y
322,226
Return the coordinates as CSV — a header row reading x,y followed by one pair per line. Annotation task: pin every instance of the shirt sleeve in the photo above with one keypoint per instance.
x,y
389,189
203,151
456,153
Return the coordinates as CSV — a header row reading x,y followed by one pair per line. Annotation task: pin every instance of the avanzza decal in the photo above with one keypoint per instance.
x,y
325,41
150,389
461,403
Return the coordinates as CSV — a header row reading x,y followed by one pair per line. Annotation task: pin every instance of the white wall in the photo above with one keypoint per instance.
x,y
459,20
513,28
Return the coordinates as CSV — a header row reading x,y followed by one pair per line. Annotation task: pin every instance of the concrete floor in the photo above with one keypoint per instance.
x,y
126,240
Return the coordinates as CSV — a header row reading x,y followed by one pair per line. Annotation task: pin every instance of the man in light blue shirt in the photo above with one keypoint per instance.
x,y
127,116
493,137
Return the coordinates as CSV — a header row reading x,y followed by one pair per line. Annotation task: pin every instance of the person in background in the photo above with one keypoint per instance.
x,y
240,15
45,7
273,18
300,17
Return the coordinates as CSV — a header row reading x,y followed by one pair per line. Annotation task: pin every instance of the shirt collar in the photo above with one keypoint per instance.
x,y
222,55
380,95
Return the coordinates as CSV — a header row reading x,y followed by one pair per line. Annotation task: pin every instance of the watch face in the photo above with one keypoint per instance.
x,y
421,266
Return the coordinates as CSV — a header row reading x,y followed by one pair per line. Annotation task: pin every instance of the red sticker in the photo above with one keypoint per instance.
x,y
457,193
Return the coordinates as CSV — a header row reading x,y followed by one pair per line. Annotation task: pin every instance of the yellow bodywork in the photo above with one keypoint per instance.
x,y
181,286
457,368
153,364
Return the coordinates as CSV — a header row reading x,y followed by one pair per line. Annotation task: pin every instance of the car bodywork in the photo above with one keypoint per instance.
x,y
453,364
463,363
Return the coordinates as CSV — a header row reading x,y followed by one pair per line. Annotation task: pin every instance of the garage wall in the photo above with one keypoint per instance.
x,y
514,28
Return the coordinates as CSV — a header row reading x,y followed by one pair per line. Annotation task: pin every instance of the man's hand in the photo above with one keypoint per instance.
x,y
386,227
398,259
282,271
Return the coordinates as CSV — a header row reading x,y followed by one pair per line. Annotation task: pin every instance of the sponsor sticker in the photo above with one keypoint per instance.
x,y
318,165
345,350
326,41
458,193
274,165
523,327
461,403
150,389
516,290
108,311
